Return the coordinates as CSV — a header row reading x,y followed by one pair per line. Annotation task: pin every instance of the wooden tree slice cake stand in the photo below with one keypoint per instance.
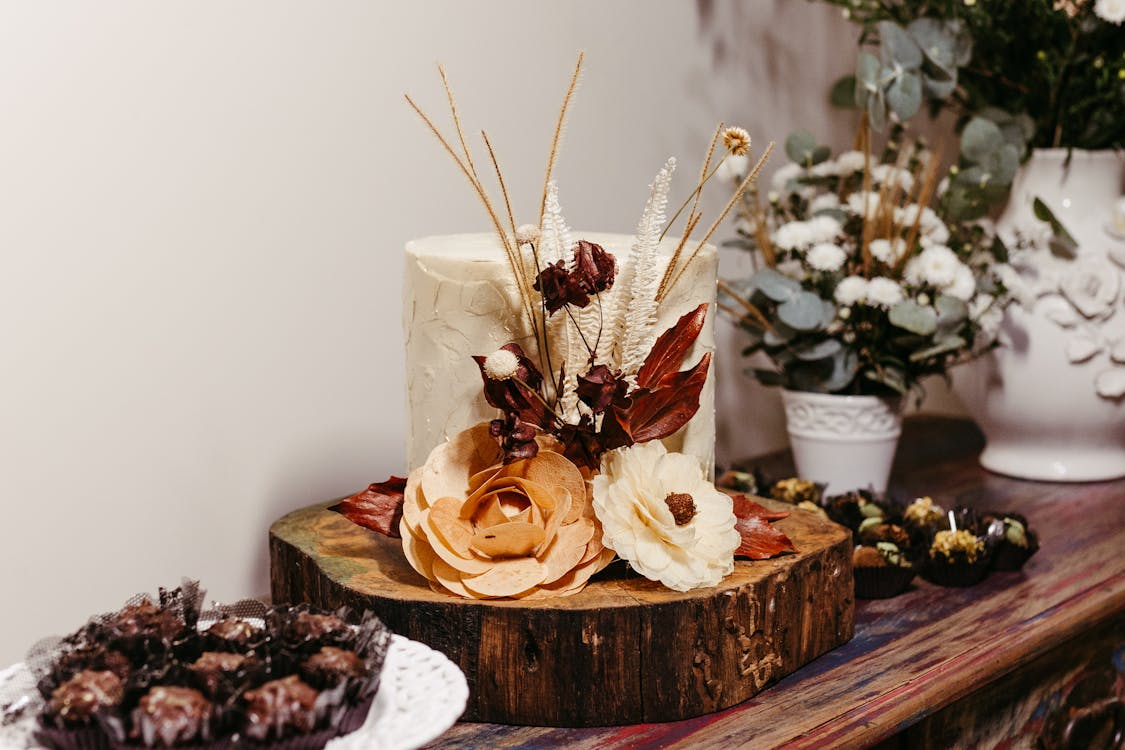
x,y
623,651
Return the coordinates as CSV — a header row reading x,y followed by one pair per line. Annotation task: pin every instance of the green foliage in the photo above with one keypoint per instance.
x,y
1062,76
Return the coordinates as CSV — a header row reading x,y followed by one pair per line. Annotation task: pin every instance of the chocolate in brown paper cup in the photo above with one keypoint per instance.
x,y
881,581
83,738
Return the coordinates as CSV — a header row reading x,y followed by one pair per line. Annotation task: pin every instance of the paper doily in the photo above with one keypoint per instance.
x,y
421,694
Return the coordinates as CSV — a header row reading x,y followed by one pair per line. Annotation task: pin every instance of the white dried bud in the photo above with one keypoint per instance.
x,y
923,299
526,233
501,365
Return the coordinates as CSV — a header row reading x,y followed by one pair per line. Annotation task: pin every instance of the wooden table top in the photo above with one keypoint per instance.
x,y
916,653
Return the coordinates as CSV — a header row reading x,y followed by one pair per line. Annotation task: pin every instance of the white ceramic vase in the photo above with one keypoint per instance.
x,y
1051,399
846,442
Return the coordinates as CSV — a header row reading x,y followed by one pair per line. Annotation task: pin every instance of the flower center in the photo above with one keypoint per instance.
x,y
682,506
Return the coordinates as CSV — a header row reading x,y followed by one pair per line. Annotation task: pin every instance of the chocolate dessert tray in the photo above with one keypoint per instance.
x,y
421,694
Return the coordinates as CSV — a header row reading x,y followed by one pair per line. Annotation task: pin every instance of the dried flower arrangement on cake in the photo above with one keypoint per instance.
x,y
572,473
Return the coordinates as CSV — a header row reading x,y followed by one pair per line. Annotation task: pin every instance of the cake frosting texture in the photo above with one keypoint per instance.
x,y
460,300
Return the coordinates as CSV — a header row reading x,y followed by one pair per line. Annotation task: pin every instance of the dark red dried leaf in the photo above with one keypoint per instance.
x,y
670,349
760,540
657,413
594,268
582,444
379,507
744,507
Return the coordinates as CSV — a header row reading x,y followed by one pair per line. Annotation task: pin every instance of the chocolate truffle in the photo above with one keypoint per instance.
x,y
76,701
330,666
146,620
314,627
279,708
233,631
91,656
168,715
213,667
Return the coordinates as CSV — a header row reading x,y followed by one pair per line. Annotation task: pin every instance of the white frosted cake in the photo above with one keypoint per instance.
x,y
460,300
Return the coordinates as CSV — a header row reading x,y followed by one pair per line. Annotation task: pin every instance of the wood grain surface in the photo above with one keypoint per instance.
x,y
622,651
923,651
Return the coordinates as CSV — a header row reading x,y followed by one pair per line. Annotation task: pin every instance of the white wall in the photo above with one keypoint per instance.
x,y
202,210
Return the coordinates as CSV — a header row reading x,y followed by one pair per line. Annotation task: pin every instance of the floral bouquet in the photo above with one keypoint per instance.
x,y
571,473
863,289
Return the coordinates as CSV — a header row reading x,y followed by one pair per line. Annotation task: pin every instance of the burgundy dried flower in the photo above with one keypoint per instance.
x,y
515,437
599,388
594,268
559,288
582,444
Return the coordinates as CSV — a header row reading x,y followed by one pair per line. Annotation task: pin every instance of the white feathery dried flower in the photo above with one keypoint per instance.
x,y
1112,11
883,292
527,233
501,365
851,290
826,256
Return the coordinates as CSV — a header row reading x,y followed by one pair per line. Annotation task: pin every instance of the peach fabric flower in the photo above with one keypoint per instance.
x,y
477,528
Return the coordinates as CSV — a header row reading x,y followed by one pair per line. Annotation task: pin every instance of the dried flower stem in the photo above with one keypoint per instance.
x,y
665,288
929,184
500,179
698,192
558,135
512,253
692,222
864,139
457,120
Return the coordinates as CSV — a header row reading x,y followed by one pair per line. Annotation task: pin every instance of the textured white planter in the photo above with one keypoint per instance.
x,y
846,442
1049,401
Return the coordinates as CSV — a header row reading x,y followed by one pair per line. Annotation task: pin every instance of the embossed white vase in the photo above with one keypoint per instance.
x,y
846,442
1051,399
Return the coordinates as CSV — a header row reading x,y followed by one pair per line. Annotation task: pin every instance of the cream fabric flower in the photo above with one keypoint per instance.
x,y
660,514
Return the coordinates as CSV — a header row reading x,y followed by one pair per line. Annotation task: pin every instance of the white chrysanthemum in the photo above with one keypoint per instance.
x,y
964,284
782,176
888,172
659,513
824,201
886,251
936,265
851,290
793,235
850,162
824,228
824,169
883,292
826,256
1110,10
501,365
863,203
936,235
734,168
792,268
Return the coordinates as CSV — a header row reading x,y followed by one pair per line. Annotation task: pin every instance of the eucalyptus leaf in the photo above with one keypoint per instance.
x,y
867,72
778,335
890,377
799,147
951,312
1002,164
936,40
1063,243
962,42
904,95
775,285
804,312
980,138
845,365
897,48
838,214
818,350
876,107
938,88
911,316
821,154
943,346
842,94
